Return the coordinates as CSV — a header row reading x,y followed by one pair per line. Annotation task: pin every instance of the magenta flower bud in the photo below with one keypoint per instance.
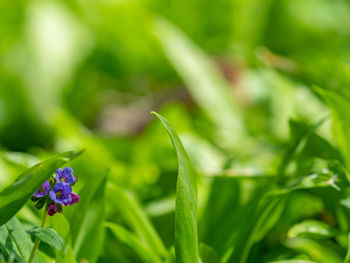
x,y
75,199
51,209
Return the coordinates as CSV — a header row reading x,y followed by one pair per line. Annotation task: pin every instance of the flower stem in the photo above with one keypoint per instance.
x,y
37,240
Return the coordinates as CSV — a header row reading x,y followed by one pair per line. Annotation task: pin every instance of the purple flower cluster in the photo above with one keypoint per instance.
x,y
57,192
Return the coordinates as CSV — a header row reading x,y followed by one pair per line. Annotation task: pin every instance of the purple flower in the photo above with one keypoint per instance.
x,y
51,209
43,190
75,199
65,175
61,193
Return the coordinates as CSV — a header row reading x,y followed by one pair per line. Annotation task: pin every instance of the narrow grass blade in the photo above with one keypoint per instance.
x,y
132,241
137,220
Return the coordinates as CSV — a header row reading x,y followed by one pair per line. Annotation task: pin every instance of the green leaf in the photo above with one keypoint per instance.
x,y
20,237
87,220
323,173
311,229
8,250
49,236
208,255
16,242
223,200
257,218
135,217
61,225
293,261
321,253
340,106
131,240
186,233
347,257
300,133
14,197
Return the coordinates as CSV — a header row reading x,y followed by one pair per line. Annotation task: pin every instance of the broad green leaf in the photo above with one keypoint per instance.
x,y
14,197
323,173
20,158
299,136
311,229
186,233
340,106
135,217
347,257
87,218
258,217
293,261
132,241
49,236
208,255
8,251
203,80
223,200
321,253
18,243
61,225
20,237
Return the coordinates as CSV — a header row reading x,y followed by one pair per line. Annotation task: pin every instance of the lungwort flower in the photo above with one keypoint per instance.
x,y
60,194
57,192
43,190
65,175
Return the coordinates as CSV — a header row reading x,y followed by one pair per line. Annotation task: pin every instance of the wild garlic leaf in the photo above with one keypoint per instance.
x,y
186,233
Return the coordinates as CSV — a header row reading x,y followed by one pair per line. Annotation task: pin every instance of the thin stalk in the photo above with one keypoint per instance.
x,y
37,240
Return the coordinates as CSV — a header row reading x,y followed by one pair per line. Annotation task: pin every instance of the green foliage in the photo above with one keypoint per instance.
x,y
88,220
132,241
49,236
135,217
257,94
311,229
15,243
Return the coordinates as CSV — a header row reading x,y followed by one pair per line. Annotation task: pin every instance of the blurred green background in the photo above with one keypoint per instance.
x,y
230,75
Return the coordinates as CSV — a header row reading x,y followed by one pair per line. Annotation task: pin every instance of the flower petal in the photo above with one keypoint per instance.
x,y
66,188
46,185
52,195
67,199
59,173
68,171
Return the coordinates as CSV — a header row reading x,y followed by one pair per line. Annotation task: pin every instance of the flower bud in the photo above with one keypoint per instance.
x,y
52,181
59,208
40,203
75,199
51,209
